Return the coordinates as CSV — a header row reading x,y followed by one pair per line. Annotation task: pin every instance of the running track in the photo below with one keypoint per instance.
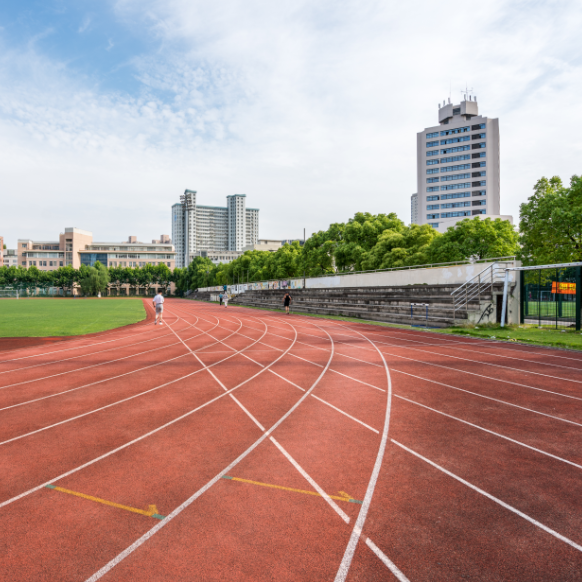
x,y
288,448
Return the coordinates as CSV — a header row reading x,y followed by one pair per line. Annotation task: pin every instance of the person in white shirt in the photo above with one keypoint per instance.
x,y
159,305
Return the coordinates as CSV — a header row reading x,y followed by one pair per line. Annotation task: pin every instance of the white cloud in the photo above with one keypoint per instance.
x,y
310,109
85,24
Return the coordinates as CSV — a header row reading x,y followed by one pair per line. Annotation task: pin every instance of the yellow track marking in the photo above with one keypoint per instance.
x,y
151,511
343,495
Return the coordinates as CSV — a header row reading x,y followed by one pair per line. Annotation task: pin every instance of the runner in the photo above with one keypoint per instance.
x,y
159,305
220,297
287,301
226,299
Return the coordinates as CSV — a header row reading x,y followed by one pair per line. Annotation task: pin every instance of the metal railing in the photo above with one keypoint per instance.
x,y
478,286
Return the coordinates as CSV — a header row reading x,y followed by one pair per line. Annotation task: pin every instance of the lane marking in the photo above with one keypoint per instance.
x,y
387,562
345,414
346,562
151,511
144,538
490,398
342,497
494,499
490,431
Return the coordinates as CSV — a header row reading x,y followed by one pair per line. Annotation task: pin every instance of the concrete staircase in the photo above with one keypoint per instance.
x,y
389,304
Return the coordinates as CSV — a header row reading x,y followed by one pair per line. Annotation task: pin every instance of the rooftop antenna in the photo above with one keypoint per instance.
x,y
467,91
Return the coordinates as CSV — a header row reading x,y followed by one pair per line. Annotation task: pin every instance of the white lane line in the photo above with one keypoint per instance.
x,y
356,380
491,344
488,398
484,364
345,414
93,383
120,448
494,499
287,380
346,562
449,368
312,482
387,562
490,431
60,361
144,538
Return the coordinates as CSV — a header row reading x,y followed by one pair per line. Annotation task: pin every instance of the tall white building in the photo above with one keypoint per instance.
x,y
414,209
197,228
457,167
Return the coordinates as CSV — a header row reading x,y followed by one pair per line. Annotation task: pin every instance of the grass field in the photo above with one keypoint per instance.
x,y
62,317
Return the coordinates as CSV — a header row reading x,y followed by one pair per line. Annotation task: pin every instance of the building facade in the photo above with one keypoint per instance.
x,y
197,228
76,247
458,170
10,258
414,209
1,251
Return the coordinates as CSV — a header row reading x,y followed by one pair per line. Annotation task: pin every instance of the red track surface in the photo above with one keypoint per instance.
x,y
465,454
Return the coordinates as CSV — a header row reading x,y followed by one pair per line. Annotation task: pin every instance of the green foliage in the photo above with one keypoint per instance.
x,y
475,238
551,223
93,280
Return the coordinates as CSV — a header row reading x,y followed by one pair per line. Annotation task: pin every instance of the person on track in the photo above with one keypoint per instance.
x,y
220,298
287,302
159,306
226,299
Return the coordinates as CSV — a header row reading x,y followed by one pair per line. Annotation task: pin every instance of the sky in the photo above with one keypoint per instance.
x,y
110,109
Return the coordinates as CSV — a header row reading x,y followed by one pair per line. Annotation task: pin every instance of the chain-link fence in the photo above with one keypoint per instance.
x,y
551,297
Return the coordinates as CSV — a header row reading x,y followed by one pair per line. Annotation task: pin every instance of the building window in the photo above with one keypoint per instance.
x,y
431,198
457,149
432,153
431,216
455,139
477,146
455,158
454,131
456,168
432,180
478,126
476,212
456,214
431,162
432,206
433,171
479,155
478,174
432,189
456,186
479,202
479,193
434,224
455,177
482,183
478,164
432,144
431,135
457,111
456,204
455,195
479,136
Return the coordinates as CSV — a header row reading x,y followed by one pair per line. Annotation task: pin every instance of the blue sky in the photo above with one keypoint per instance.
x,y
111,109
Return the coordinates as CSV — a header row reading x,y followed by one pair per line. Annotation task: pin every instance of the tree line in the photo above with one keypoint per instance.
x,y
90,280
550,231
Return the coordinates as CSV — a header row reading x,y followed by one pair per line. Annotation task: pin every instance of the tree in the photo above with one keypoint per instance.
x,y
65,278
474,237
93,280
551,223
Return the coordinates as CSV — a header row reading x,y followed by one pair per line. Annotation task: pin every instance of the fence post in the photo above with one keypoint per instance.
x,y
522,298
505,288
578,297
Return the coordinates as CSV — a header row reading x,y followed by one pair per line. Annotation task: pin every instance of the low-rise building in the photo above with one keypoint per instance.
x,y
10,258
76,247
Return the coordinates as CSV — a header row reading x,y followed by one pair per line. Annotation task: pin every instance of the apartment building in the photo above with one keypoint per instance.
x,y
414,209
458,169
197,228
76,247
10,258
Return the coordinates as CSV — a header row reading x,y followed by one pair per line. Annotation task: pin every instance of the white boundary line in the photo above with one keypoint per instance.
x,y
494,499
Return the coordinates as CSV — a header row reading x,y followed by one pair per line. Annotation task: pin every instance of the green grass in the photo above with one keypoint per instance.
x,y
62,317
549,308
558,338
569,338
